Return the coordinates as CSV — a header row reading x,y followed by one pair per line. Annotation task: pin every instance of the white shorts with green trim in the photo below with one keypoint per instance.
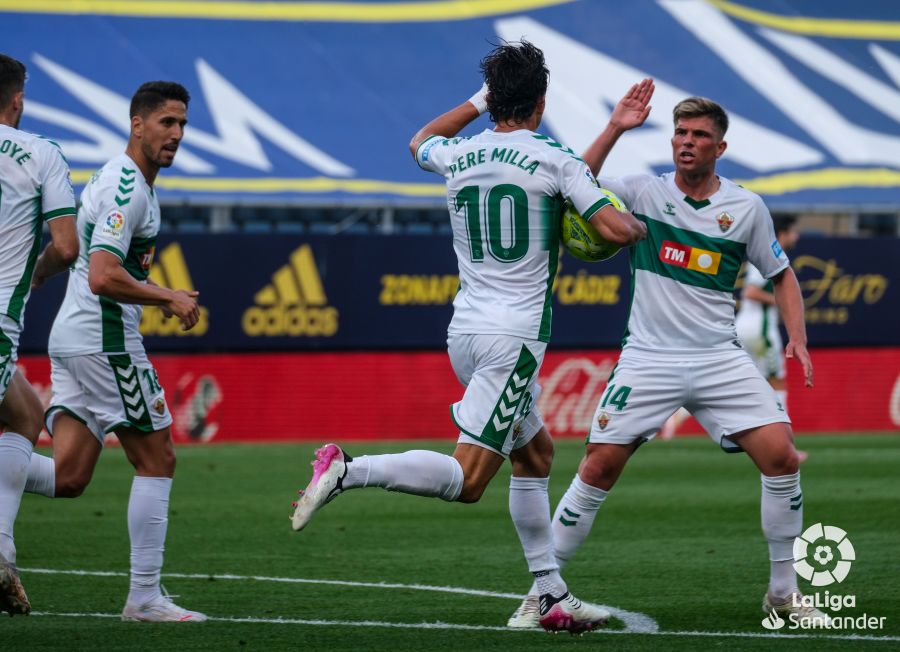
x,y
107,392
723,390
498,410
9,345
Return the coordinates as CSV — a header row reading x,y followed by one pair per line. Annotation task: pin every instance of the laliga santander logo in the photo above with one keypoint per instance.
x,y
822,554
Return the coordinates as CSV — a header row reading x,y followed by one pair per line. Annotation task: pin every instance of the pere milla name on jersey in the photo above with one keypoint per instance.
x,y
500,154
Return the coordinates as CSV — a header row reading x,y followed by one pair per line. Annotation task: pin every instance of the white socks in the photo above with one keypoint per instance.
x,y
421,473
782,520
148,518
573,520
41,476
15,452
529,506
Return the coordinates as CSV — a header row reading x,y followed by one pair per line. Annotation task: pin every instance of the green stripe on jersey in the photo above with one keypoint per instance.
x,y
646,255
134,261
112,325
17,300
552,211
59,212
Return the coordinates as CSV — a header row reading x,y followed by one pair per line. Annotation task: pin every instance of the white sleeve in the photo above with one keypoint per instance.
x,y
578,185
117,223
763,250
57,196
627,188
435,154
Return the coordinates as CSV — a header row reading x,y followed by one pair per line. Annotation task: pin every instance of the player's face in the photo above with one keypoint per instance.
x,y
696,145
161,131
788,239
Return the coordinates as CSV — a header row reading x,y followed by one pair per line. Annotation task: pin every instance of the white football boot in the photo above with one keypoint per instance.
x,y
527,615
161,610
568,613
12,594
329,469
784,607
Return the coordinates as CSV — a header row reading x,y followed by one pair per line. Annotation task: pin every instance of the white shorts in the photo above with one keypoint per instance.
x,y
724,392
9,345
499,408
106,392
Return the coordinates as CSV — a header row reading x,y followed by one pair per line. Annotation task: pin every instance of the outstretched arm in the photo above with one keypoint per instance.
x,y
790,305
453,121
631,111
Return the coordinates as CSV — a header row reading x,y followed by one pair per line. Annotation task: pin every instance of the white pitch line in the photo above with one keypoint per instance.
x,y
635,622
489,628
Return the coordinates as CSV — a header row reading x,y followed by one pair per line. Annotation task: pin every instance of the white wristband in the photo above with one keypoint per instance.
x,y
479,100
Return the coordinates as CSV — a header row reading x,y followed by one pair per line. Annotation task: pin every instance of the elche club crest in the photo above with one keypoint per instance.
x,y
725,221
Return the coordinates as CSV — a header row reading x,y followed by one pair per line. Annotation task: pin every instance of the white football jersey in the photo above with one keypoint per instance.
x,y
34,188
119,213
684,272
505,194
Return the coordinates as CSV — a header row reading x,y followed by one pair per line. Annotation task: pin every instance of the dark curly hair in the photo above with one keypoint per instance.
x,y
152,95
12,78
516,76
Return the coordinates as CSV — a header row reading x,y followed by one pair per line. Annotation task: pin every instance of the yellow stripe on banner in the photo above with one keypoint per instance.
x,y
344,12
776,184
826,179
269,185
833,27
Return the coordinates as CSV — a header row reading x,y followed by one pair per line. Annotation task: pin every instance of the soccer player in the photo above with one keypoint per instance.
x,y
102,379
505,191
680,347
34,188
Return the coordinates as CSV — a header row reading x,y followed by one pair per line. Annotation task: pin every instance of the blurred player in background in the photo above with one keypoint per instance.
x,y
34,188
102,379
505,188
680,347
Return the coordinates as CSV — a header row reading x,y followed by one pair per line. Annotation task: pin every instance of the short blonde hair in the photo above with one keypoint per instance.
x,y
698,107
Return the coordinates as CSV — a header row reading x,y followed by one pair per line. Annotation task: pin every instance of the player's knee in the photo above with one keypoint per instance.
x,y
472,490
71,485
786,462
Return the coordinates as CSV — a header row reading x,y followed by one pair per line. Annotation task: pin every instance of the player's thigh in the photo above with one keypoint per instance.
x,y
500,373
640,395
151,454
771,447
20,408
535,457
730,396
109,392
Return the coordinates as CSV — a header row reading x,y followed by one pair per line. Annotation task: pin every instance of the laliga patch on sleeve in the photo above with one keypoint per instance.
x,y
776,249
434,141
113,224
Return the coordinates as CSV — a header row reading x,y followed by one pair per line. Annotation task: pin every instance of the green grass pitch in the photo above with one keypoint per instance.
x,y
678,541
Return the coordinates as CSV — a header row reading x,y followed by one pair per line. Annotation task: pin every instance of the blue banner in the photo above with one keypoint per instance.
x,y
316,102
264,292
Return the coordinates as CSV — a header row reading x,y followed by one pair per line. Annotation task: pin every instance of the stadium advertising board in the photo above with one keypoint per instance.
x,y
264,292
813,100
304,396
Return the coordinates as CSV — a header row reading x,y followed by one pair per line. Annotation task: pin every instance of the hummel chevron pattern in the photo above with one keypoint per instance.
x,y
572,515
511,398
126,186
509,402
796,502
131,392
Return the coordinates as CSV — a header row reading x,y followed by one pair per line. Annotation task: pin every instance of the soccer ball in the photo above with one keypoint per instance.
x,y
581,239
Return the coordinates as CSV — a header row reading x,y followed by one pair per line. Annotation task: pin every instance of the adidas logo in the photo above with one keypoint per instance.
x,y
171,271
294,303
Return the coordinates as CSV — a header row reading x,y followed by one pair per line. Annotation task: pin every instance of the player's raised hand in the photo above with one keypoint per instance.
x,y
183,305
795,350
633,109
